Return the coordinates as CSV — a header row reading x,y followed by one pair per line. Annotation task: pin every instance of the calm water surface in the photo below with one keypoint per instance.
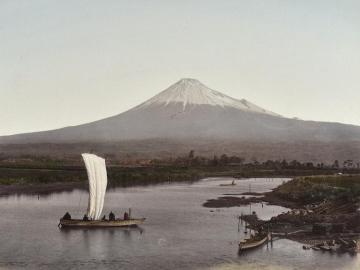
x,y
178,234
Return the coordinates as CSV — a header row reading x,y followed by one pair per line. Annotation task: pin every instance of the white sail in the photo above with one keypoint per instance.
x,y
96,171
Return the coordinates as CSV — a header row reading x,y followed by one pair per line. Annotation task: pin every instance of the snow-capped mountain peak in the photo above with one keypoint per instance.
x,y
189,92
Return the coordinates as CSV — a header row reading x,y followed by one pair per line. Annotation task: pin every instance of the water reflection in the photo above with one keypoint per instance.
x,y
178,234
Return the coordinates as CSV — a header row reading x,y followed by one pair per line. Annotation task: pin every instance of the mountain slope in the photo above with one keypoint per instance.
x,y
190,110
191,92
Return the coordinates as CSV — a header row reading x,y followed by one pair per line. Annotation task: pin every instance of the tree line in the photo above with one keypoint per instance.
x,y
224,160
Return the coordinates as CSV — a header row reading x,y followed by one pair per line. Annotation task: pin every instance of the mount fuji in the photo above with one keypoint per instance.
x,y
191,92
189,111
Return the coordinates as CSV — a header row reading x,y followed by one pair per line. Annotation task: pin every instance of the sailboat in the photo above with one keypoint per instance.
x,y
96,171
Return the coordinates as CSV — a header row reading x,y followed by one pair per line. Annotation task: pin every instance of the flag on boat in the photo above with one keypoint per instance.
x,y
96,171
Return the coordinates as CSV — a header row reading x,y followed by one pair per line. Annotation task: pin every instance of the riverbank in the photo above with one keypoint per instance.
x,y
231,201
323,208
41,180
48,177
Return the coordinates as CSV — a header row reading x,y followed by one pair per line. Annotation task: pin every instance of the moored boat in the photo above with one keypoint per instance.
x,y
255,241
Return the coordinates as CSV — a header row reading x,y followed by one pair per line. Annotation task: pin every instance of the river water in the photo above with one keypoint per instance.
x,y
178,234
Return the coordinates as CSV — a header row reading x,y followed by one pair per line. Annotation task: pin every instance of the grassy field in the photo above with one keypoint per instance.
x,y
116,176
315,189
45,173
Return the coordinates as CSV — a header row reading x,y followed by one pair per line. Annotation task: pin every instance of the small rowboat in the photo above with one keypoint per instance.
x,y
325,248
254,242
79,223
227,185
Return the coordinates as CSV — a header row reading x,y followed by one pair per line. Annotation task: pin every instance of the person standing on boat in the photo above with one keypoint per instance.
x,y
85,218
111,216
126,216
67,216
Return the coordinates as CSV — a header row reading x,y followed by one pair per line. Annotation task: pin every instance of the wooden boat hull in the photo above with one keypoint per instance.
x,y
79,223
254,244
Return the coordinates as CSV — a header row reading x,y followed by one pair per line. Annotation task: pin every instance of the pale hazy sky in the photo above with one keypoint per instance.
x,y
70,62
